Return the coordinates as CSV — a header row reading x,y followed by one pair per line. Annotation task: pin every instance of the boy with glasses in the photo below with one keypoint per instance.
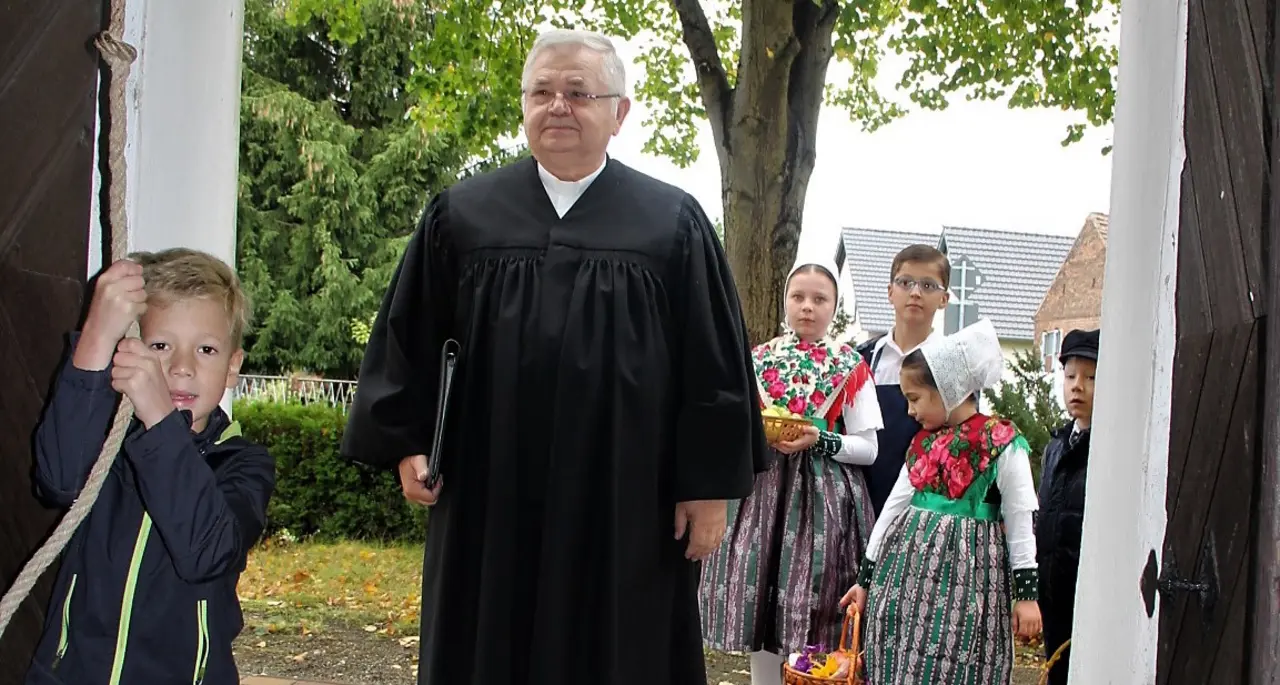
x,y
919,287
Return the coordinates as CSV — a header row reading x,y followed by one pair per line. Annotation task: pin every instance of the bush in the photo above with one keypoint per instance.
x,y
319,494
1029,402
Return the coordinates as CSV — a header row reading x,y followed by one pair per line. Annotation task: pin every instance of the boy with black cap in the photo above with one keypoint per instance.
x,y
1062,484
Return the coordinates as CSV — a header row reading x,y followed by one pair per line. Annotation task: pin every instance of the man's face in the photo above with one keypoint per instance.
x,y
559,118
192,337
1077,386
917,294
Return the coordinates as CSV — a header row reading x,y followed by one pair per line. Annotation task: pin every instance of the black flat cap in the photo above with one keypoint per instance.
x,y
1078,343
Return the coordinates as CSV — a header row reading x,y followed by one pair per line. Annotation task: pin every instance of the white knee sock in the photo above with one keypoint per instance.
x,y
766,668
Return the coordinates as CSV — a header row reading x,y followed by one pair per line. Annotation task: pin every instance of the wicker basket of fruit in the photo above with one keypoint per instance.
x,y
813,667
780,425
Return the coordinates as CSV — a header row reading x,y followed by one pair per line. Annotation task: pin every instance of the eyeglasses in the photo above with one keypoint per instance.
x,y
927,285
544,96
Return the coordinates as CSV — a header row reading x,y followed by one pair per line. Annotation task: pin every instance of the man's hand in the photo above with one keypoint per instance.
x,y
704,520
806,440
413,477
119,298
136,371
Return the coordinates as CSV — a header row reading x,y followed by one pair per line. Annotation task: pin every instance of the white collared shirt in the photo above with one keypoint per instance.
x,y
888,367
564,194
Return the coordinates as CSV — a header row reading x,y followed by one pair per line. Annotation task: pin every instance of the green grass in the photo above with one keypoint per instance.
x,y
304,587
301,588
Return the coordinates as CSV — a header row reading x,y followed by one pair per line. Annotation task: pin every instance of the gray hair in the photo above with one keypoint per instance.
x,y
614,73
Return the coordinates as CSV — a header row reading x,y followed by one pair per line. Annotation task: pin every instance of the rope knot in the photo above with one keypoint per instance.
x,y
116,51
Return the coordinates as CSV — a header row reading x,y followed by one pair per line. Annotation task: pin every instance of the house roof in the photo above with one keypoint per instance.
x,y
1017,270
869,255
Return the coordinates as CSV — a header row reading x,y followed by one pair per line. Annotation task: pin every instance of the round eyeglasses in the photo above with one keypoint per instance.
x,y
546,96
927,285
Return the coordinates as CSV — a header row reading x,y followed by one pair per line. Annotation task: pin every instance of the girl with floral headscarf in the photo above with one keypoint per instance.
x,y
794,545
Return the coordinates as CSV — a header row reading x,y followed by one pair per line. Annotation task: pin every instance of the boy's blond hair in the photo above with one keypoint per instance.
x,y
182,273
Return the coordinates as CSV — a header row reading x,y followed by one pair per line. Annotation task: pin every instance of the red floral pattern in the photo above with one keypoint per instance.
x,y
947,461
805,376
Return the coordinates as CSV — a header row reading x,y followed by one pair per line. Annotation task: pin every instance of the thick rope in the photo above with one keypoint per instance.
x,y
118,56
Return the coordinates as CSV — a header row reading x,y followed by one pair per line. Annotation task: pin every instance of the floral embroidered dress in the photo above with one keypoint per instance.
x,y
794,545
940,595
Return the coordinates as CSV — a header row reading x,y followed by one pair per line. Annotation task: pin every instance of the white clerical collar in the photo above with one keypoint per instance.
x,y
563,194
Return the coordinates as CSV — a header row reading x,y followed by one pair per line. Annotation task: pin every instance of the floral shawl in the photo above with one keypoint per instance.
x,y
947,461
815,380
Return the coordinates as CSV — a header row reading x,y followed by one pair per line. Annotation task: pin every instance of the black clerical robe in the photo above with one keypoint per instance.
x,y
605,375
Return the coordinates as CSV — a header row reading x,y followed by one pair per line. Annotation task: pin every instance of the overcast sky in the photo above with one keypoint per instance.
x,y
974,164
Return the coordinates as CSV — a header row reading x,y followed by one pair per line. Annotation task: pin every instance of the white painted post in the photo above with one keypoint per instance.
x,y
183,130
135,16
1114,641
189,127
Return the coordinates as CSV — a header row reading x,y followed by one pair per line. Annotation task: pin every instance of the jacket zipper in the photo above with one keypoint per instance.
x,y
202,641
66,623
126,604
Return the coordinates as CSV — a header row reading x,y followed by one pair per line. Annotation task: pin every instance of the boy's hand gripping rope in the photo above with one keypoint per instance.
x,y
118,56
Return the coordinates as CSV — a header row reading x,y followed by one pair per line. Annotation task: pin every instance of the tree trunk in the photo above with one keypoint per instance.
x,y
765,131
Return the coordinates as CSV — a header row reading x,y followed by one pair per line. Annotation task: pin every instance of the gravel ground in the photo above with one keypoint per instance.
x,y
351,655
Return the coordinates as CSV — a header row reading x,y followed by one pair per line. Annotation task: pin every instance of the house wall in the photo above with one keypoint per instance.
x,y
1011,348
1075,298
1086,323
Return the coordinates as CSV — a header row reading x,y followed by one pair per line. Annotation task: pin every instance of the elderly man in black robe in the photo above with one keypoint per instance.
x,y
604,406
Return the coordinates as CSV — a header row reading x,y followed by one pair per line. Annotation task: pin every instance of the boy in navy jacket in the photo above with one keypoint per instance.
x,y
147,588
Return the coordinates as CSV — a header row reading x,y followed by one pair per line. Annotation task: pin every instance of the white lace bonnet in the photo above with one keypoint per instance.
x,y
965,362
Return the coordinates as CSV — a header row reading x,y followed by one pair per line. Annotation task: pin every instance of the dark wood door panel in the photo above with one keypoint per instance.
x,y
48,81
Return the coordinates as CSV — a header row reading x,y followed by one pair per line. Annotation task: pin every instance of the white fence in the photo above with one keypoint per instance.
x,y
334,393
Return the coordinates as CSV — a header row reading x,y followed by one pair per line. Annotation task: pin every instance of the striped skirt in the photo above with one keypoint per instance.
x,y
939,607
792,549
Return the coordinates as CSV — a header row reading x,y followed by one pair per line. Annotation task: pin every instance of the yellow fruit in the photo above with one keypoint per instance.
x,y
780,412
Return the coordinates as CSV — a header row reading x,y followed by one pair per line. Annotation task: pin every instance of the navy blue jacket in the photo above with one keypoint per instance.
x,y
1061,520
147,588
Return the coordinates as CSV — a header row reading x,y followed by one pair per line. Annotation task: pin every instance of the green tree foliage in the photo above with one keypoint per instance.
x,y
757,71
333,174
841,322
1030,403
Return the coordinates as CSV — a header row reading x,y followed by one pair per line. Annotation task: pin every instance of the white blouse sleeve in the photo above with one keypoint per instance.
x,y
1018,504
899,500
861,419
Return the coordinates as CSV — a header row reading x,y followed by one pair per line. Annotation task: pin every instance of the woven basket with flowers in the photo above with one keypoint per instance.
x,y
814,666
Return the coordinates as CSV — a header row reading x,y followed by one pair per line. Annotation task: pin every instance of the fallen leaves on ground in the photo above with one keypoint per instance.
x,y
299,587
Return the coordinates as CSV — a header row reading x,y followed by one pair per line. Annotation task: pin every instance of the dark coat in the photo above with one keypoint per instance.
x,y
147,588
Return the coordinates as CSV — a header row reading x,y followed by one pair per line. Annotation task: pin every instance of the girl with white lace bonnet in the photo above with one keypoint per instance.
x,y
935,584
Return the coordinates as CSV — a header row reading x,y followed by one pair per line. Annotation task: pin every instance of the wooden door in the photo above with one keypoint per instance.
x,y
1215,432
48,83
